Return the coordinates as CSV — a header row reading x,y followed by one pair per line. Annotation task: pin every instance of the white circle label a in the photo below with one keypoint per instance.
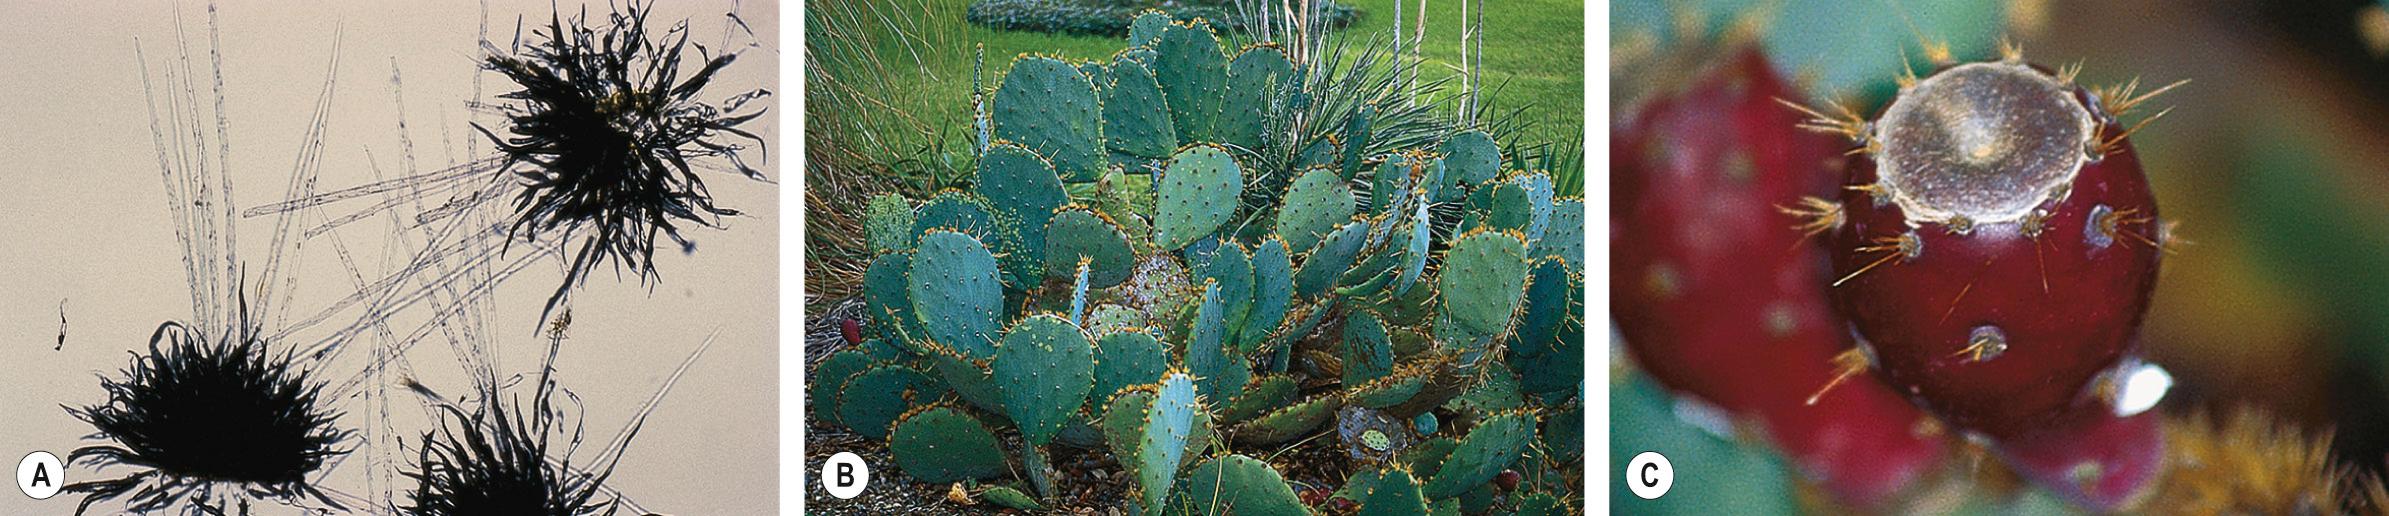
x,y
40,475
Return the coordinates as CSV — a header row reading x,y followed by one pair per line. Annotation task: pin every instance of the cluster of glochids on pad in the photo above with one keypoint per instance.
x,y
1986,244
1192,337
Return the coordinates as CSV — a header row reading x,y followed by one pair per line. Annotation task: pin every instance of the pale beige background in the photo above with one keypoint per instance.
x,y
82,219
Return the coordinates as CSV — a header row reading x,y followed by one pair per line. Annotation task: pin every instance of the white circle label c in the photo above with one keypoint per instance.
x,y
1649,475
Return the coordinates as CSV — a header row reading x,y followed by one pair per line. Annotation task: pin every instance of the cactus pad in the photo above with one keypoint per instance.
x,y
1169,425
1238,485
1043,371
1220,373
1136,120
1233,269
1193,74
1489,448
1315,204
1368,349
1273,294
956,292
1564,236
887,296
1395,492
874,398
1028,189
941,444
1330,259
1256,78
1470,158
1050,107
1126,359
1265,393
1077,233
1289,422
887,223
1482,279
1200,191
828,376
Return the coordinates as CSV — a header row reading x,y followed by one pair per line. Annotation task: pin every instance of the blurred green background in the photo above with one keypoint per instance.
x,y
2275,161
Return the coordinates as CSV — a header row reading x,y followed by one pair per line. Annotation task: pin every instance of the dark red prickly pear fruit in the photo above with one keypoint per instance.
x,y
1507,480
852,330
2108,464
1718,299
1999,245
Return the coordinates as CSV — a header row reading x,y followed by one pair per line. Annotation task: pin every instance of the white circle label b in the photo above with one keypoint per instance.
x,y
844,475
40,475
1650,476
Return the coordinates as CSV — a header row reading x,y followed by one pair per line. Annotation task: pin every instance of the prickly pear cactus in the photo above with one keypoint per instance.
x,y
1151,263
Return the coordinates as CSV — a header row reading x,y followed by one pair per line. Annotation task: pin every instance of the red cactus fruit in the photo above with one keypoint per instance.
x,y
1997,245
1507,480
852,330
2108,464
1717,299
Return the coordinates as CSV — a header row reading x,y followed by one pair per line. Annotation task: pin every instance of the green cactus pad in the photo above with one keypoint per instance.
x,y
872,400
1322,153
1048,106
1564,237
1540,504
1233,268
1496,390
1368,349
1029,190
1483,278
1356,140
1548,349
1265,393
1395,493
829,375
1316,204
1193,74
1470,158
972,215
1273,294
1539,198
1289,422
966,377
1386,391
1330,259
1108,318
956,292
940,444
1505,206
1136,119
1426,458
1200,191
1042,372
1563,433
1489,448
1168,429
1126,359
1123,427
1220,373
1147,28
1237,485
887,223
887,296
1011,498
1077,233
1256,78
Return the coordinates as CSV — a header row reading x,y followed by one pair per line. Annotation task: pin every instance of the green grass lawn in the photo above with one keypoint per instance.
x,y
1534,54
